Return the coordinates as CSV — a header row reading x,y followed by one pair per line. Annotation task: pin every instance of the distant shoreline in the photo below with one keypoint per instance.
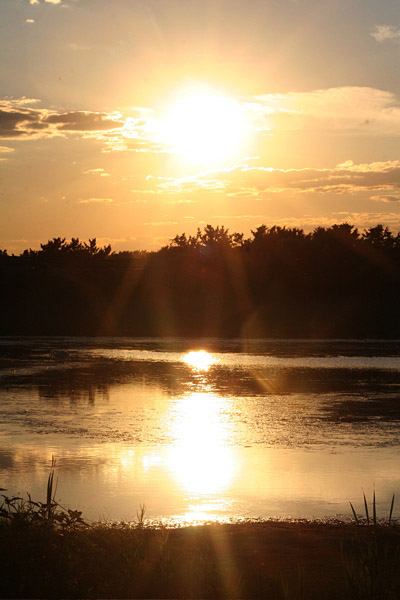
x,y
332,283
196,338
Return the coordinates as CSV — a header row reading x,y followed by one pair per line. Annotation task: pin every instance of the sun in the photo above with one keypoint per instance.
x,y
203,126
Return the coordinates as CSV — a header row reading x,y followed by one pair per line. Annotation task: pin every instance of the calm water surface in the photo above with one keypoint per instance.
x,y
201,430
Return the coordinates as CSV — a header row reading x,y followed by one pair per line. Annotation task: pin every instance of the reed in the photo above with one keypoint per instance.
x,y
373,560
374,521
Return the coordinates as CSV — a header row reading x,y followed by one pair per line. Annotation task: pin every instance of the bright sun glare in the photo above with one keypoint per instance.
x,y
199,360
201,459
202,126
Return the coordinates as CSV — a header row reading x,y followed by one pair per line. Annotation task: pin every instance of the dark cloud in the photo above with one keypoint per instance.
x,y
83,121
34,122
10,122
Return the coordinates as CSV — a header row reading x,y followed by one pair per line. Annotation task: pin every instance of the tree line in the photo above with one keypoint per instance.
x,y
279,282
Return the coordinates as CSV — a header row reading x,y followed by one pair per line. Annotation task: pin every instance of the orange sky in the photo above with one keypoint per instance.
x,y
132,122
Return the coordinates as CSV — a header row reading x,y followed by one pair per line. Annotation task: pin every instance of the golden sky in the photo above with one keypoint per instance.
x,y
132,121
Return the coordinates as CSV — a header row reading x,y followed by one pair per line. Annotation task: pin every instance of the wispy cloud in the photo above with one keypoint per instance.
x,y
346,178
386,198
98,171
362,220
44,2
96,201
239,217
77,47
190,183
368,219
385,32
161,223
354,110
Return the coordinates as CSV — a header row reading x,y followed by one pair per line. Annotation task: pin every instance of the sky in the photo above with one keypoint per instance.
x,y
133,121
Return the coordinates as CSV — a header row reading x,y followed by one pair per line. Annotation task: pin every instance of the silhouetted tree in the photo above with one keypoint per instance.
x,y
281,281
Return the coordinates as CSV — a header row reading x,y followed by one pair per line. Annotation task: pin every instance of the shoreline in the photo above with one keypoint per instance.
x,y
265,559
196,338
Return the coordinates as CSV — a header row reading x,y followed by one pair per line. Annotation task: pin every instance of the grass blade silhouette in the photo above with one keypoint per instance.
x,y
354,514
391,510
366,508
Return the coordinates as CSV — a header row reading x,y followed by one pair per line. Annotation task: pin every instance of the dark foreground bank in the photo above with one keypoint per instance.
x,y
271,560
48,551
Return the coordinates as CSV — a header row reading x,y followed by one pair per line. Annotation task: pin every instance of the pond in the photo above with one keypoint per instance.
x,y
201,430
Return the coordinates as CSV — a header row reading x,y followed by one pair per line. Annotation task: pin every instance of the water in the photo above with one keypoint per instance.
x,y
287,429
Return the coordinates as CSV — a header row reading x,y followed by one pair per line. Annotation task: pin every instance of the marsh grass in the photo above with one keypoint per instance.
x,y
359,519
19,511
49,551
372,562
293,589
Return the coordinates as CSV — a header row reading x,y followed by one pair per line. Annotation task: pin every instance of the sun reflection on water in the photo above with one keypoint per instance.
x,y
200,360
200,459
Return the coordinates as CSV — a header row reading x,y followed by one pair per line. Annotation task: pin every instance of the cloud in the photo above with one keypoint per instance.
x,y
77,47
208,180
98,171
11,122
161,223
96,201
82,121
382,33
239,217
115,142
244,181
29,20
354,110
386,198
5,149
360,219
19,120
181,201
369,219
45,1
144,191
8,102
